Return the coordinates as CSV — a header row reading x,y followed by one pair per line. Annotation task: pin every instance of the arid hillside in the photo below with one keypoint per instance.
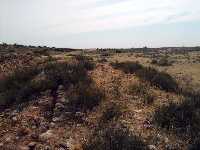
x,y
98,100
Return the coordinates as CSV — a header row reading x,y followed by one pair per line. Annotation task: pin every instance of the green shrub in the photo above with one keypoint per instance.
x,y
114,137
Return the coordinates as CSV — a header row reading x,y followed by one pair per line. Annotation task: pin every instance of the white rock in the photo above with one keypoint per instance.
x,y
52,124
152,147
166,140
59,105
14,119
57,119
63,100
1,144
61,87
32,144
23,148
47,135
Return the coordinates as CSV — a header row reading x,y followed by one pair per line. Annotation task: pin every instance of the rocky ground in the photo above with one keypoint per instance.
x,y
41,125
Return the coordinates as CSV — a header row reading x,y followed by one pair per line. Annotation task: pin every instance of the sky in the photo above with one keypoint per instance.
x,y
100,23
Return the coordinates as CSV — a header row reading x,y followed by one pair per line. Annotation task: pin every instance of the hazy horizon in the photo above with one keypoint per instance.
x,y
100,23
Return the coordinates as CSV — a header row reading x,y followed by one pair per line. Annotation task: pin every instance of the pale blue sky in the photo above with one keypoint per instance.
x,y
100,23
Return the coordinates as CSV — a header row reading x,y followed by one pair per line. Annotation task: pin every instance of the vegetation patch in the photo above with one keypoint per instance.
x,y
127,67
112,113
182,119
114,137
160,79
18,86
85,61
21,85
143,90
83,97
161,62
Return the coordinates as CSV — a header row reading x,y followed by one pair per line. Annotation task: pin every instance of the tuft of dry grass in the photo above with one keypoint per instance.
x,y
143,90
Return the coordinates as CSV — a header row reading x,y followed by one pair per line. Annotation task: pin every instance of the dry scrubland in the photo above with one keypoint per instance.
x,y
98,100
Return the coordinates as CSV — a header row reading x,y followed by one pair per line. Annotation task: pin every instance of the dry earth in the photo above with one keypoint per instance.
x,y
29,126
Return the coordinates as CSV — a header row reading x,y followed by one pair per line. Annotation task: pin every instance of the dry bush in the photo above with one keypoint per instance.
x,y
41,52
154,61
83,97
160,79
111,113
17,87
195,144
20,85
127,67
102,60
114,137
182,119
161,62
143,90
86,61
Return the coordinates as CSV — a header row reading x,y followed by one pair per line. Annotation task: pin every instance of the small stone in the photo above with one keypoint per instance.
x,y
79,114
78,125
14,113
47,148
159,137
34,136
152,147
63,145
63,100
32,145
52,125
168,147
39,147
1,145
14,119
61,87
59,106
166,140
34,127
68,114
44,126
8,139
23,148
57,119
47,135
171,147
23,131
